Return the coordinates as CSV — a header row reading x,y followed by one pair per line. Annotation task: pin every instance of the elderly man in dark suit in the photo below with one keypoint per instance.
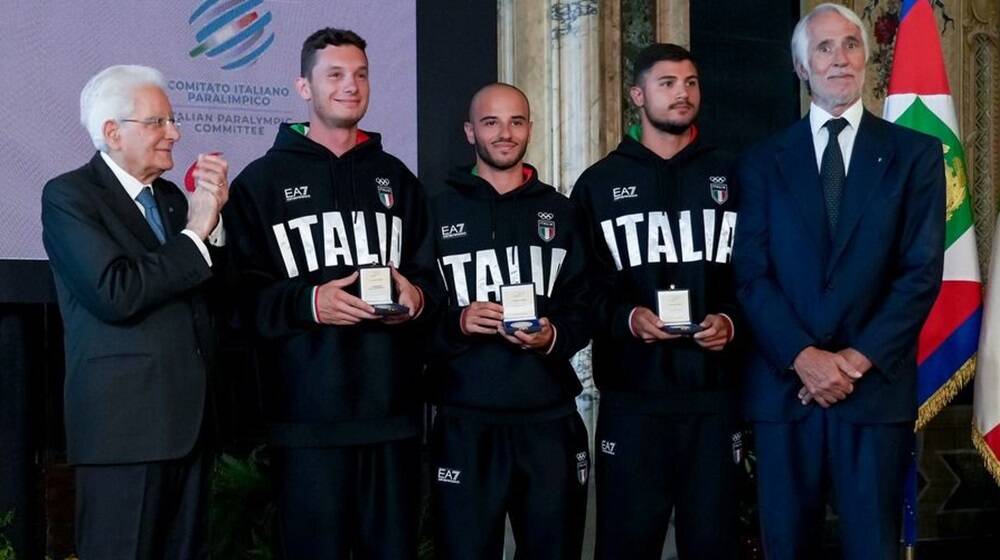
x,y
838,259
131,264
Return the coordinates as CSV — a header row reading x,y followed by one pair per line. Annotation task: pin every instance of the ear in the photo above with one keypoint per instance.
x,y
802,72
112,134
531,125
470,133
303,87
637,95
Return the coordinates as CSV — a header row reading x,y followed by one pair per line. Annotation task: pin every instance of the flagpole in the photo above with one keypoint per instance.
x,y
919,97
909,536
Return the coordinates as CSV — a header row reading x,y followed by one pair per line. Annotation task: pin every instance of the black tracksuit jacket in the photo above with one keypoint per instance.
x,y
299,217
654,223
483,240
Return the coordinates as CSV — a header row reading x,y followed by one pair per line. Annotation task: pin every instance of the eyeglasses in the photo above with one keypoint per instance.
x,y
155,122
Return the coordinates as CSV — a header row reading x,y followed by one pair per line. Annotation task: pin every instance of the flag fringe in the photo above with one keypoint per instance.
x,y
945,393
990,459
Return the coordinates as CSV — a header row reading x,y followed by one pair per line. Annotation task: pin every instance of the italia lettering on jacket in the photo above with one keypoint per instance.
x,y
656,231
330,240
488,276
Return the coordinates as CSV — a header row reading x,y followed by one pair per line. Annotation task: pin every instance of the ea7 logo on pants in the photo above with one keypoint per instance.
x,y
451,476
608,447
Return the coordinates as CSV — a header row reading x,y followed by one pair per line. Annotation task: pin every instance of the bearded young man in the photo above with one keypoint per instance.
x,y
660,211
322,205
507,438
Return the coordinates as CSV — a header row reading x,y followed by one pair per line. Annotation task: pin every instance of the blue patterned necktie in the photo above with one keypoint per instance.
x,y
831,172
147,201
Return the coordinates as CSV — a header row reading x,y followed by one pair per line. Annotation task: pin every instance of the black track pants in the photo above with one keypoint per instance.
x,y
651,466
535,471
351,503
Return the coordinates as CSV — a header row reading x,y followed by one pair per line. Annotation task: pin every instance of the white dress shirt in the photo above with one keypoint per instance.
x,y
133,187
820,135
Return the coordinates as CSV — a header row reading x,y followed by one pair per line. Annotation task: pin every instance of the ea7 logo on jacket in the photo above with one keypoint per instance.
x,y
619,193
385,195
719,189
453,231
546,226
451,476
608,447
296,193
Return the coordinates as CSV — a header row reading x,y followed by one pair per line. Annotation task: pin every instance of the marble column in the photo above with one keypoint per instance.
x,y
551,50
567,56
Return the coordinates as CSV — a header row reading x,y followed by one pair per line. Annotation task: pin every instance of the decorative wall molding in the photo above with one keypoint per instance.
x,y
979,113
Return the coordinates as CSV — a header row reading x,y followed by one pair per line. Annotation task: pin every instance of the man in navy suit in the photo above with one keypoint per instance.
x,y
838,259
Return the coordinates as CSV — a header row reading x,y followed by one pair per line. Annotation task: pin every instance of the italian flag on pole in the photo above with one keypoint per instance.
x,y
919,98
986,408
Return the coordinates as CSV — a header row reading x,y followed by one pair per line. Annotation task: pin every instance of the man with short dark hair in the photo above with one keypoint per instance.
x,y
322,38
661,213
132,269
306,219
838,261
507,437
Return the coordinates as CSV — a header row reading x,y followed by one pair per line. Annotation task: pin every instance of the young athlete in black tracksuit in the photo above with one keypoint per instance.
x,y
345,405
344,397
667,405
507,437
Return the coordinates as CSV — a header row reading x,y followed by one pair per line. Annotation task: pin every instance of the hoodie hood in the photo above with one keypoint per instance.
x,y
631,147
292,139
467,180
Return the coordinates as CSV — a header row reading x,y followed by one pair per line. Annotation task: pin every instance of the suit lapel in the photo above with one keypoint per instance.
x,y
797,162
119,202
870,157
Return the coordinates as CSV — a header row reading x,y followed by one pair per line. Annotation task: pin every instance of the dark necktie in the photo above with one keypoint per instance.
x,y
831,172
147,201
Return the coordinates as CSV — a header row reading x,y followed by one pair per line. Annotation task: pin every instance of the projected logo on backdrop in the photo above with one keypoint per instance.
x,y
232,31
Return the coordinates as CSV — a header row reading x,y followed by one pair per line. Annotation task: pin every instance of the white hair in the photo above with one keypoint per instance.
x,y
110,95
800,37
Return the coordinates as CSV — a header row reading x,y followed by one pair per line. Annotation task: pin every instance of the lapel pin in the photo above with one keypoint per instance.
x,y
879,160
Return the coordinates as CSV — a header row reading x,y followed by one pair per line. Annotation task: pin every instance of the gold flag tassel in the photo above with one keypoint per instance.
x,y
945,393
